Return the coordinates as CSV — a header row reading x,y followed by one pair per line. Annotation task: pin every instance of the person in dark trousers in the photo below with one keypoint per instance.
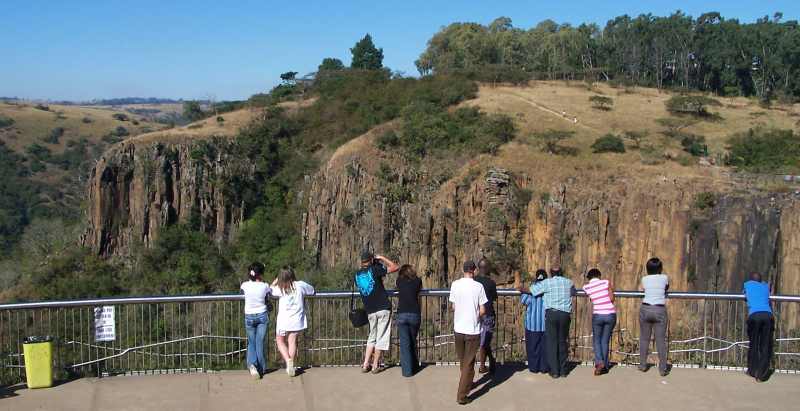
x,y
557,292
534,324
489,319
369,281
653,318
760,327
408,318
469,299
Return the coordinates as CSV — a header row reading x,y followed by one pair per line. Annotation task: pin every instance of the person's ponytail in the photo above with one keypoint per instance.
x,y
256,271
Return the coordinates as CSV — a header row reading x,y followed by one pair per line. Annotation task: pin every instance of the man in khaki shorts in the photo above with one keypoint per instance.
x,y
369,281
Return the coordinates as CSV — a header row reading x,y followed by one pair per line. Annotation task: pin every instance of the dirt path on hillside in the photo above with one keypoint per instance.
x,y
544,108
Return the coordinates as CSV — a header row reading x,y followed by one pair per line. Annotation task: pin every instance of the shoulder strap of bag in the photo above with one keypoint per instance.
x,y
352,294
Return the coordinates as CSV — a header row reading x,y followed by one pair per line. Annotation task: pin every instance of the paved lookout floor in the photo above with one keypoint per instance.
x,y
344,389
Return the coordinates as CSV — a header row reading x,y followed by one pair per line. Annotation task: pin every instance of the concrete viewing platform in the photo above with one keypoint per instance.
x,y
433,388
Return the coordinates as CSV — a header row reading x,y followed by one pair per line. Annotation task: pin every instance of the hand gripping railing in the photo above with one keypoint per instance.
x,y
206,332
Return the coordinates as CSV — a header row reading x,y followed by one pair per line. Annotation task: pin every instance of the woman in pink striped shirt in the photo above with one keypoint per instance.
x,y
604,317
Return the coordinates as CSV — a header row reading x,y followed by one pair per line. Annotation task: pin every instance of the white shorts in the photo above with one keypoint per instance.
x,y
283,333
380,329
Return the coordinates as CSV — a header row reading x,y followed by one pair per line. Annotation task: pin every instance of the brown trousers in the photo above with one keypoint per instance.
x,y
466,349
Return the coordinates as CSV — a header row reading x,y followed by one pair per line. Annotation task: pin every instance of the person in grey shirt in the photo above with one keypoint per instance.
x,y
653,316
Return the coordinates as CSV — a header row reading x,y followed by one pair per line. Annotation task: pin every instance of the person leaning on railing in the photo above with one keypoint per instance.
x,y
557,292
760,327
604,317
369,280
409,286
487,321
256,318
653,316
291,319
535,345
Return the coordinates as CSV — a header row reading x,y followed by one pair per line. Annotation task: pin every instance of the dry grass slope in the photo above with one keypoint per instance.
x,y
539,107
32,124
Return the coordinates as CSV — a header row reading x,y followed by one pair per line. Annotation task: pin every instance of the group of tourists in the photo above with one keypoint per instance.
x,y
548,301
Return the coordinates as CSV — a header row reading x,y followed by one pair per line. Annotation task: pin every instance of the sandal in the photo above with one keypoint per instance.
x,y
379,370
366,369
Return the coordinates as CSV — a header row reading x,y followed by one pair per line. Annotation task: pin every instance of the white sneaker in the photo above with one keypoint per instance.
x,y
290,368
253,371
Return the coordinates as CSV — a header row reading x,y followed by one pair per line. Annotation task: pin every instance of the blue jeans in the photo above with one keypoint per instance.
x,y
602,327
256,327
408,327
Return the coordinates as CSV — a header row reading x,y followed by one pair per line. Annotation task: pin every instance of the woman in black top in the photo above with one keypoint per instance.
x,y
408,318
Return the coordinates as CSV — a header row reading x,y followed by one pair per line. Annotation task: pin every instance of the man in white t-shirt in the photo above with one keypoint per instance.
x,y
468,298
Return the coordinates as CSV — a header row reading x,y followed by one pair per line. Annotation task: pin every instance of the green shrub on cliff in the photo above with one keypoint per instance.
x,y
6,122
353,101
705,200
608,143
427,128
765,150
182,261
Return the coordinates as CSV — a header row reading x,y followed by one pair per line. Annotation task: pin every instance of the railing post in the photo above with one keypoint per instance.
x,y
705,333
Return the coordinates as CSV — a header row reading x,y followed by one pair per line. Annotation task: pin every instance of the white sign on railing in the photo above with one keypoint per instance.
x,y
104,324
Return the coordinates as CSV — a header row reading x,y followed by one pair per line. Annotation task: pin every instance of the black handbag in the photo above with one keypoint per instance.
x,y
358,316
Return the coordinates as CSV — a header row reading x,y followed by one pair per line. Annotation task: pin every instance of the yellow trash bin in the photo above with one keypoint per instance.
x,y
38,353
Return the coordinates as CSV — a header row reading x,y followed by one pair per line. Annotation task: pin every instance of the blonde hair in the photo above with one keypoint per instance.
x,y
286,279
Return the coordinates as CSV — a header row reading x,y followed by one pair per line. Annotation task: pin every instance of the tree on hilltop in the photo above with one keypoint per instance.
x,y
289,77
192,110
330,64
366,56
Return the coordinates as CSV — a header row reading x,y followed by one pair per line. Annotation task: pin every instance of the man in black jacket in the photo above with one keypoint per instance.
x,y
487,321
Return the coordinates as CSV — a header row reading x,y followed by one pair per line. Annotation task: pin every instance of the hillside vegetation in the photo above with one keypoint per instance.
x,y
708,53
47,152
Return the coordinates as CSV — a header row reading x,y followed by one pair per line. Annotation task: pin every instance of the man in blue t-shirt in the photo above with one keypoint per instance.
x,y
760,327
369,281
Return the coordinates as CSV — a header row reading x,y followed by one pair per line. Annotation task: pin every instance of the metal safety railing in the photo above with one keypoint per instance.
x,y
206,332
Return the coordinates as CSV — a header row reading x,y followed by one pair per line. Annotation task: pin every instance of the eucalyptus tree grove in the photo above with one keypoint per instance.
x,y
706,53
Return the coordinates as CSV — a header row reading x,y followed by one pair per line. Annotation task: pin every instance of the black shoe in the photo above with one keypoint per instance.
x,y
464,401
554,376
663,373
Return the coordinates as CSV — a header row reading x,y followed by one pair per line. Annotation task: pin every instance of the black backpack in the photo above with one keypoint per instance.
x,y
358,316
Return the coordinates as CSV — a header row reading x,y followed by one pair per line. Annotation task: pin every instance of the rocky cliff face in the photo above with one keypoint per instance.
x,y
519,220
523,222
136,189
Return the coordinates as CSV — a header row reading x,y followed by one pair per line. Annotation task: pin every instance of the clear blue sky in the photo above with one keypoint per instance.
x,y
81,49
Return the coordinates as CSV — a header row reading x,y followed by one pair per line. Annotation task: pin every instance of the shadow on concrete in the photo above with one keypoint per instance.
x,y
11,391
571,366
8,391
766,377
489,381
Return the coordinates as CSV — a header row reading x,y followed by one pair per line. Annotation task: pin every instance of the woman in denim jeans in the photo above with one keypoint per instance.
x,y
256,318
604,317
408,318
